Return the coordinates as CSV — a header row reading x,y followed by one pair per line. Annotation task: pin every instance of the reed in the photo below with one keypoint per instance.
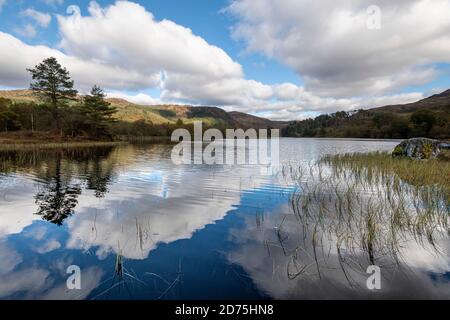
x,y
17,146
371,204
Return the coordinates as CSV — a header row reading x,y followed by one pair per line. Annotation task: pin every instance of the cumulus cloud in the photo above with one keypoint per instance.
x,y
16,56
140,98
293,102
127,35
174,214
331,48
193,70
123,48
267,260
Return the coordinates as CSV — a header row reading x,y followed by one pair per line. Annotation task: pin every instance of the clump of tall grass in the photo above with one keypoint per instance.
x,y
370,205
380,165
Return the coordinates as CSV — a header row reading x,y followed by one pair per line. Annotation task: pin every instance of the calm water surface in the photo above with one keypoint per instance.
x,y
140,227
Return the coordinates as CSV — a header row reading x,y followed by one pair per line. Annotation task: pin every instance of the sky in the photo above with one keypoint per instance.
x,y
280,59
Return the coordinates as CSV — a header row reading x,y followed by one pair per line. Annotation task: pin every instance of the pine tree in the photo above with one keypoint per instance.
x,y
53,84
98,112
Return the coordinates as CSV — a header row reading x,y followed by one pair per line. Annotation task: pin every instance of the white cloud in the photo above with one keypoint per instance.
x,y
122,48
293,102
331,48
193,70
141,98
127,35
16,56
223,92
32,281
267,260
173,215
42,19
16,203
48,246
10,258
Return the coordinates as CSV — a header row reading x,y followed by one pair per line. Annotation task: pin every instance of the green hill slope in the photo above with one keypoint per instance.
x,y
169,114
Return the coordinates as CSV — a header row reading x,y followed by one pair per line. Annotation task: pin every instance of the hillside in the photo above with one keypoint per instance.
x,y
437,102
169,114
428,117
251,121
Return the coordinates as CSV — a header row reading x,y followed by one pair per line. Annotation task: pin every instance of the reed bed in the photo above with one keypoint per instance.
x,y
367,208
17,146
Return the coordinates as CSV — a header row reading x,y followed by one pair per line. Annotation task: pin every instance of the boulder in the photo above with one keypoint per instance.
x,y
419,148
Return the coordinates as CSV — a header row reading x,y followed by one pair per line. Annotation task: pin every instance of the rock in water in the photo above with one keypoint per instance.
x,y
418,148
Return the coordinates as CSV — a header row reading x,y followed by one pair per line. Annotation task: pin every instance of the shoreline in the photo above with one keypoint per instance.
x,y
52,142
40,145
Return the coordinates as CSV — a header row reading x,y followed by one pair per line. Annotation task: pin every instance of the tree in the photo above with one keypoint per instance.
x,y
98,112
8,118
381,119
53,84
27,113
423,121
399,128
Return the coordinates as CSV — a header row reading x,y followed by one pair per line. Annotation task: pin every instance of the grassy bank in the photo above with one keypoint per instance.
x,y
16,141
381,164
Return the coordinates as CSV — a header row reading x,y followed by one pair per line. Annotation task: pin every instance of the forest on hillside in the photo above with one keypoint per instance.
x,y
375,124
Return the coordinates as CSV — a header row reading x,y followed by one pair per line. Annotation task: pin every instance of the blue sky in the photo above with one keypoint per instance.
x,y
280,59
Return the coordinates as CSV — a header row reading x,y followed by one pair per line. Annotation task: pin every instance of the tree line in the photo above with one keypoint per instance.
x,y
59,108
374,124
61,112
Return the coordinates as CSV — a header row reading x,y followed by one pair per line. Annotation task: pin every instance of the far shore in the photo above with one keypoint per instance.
x,y
25,140
46,140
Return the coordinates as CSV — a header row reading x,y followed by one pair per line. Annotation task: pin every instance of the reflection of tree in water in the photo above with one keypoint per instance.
x,y
95,168
99,177
59,198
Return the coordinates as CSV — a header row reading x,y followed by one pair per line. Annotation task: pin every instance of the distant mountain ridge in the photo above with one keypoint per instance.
x,y
170,114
